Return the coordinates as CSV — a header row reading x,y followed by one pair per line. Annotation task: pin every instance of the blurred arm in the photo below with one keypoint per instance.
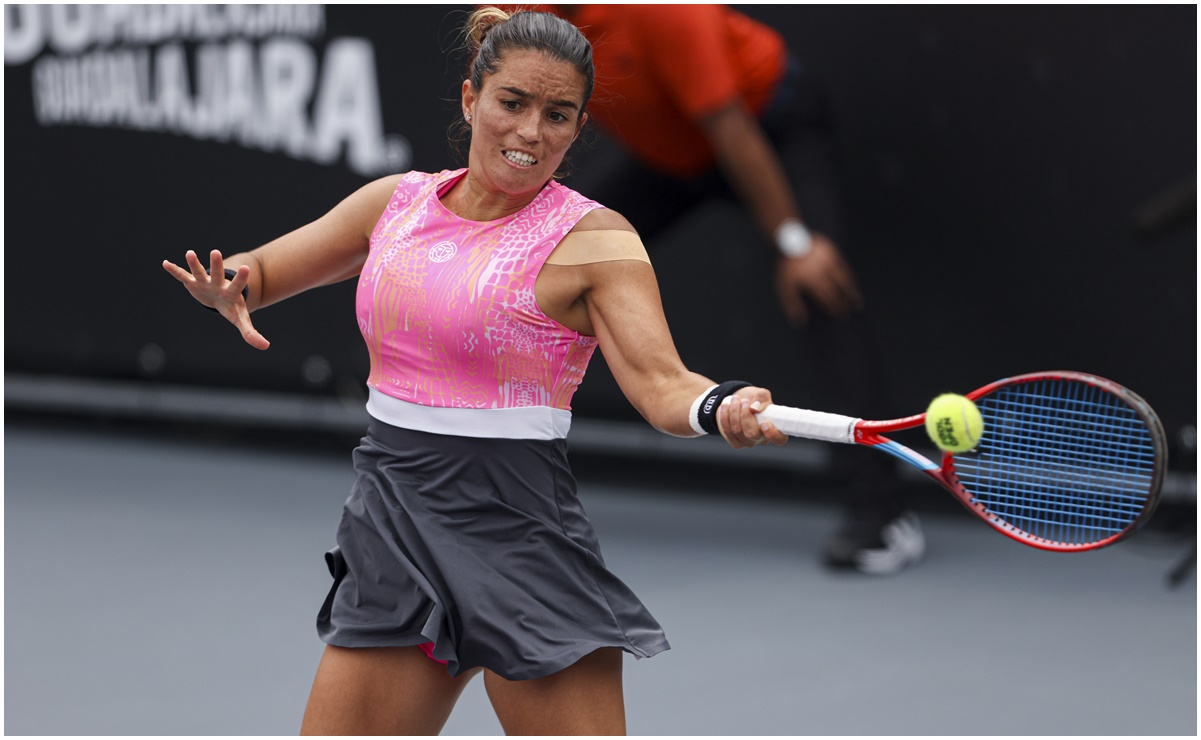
x,y
749,160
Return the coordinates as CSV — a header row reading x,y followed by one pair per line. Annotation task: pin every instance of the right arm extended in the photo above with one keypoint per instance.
x,y
331,249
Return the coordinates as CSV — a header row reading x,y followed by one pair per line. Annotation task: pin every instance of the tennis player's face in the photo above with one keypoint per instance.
x,y
523,120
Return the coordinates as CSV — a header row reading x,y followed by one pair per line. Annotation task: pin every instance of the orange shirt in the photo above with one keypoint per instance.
x,y
662,68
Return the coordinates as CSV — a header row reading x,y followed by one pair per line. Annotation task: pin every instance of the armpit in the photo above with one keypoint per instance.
x,y
605,245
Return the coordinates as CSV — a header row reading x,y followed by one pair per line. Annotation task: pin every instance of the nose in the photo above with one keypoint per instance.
x,y
529,127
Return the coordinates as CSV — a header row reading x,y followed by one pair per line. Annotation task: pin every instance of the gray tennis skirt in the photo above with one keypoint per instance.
x,y
481,547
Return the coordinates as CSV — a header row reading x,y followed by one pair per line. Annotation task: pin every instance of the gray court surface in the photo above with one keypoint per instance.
x,y
166,584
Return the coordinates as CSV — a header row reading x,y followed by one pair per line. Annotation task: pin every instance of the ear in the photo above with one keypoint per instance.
x,y
469,96
580,127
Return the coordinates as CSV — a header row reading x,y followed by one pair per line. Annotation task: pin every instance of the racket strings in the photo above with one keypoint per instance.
x,y
1062,460
1076,453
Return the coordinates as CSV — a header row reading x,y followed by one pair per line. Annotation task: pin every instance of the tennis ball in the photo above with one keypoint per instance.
x,y
954,423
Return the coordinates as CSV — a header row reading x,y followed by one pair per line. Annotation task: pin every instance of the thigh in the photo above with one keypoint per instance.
x,y
380,691
583,699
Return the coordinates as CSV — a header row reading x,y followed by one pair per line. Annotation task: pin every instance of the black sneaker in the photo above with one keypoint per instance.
x,y
868,546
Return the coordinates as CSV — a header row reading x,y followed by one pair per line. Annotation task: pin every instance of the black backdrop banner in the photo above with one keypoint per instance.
x,y
1013,177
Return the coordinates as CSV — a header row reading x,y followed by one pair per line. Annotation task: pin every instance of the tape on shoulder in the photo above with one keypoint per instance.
x,y
604,245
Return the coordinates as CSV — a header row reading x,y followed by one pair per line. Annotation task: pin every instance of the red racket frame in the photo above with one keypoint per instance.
x,y
871,434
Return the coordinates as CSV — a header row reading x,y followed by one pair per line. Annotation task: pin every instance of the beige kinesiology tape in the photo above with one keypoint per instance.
x,y
605,245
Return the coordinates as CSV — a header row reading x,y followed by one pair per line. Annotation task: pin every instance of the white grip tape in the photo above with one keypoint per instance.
x,y
811,424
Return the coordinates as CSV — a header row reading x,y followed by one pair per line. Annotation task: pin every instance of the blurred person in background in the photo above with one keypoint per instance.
x,y
482,293
706,104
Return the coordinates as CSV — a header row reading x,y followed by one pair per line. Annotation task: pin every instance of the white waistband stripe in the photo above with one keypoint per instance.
x,y
528,422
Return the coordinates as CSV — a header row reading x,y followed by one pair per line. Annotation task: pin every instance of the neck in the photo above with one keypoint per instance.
x,y
470,200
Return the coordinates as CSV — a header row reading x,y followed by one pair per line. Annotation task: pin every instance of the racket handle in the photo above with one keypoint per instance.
x,y
811,424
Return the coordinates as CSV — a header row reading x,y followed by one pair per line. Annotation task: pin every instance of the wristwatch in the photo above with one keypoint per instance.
x,y
793,239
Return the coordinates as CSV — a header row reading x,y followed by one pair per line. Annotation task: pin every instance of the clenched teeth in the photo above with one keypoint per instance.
x,y
520,158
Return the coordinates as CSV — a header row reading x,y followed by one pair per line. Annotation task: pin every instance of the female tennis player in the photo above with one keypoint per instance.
x,y
482,293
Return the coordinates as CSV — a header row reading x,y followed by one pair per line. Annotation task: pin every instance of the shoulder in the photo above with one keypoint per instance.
x,y
601,236
364,207
401,187
411,180
376,194
603,219
389,184
386,184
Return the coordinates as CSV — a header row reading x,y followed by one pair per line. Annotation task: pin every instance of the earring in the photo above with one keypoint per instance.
x,y
468,117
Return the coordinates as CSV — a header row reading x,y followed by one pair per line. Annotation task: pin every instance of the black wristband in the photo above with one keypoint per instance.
x,y
706,412
230,275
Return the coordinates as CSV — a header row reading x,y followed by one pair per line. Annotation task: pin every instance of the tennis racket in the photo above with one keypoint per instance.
x,y
1068,461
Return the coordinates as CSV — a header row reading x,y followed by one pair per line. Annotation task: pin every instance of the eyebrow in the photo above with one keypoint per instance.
x,y
523,94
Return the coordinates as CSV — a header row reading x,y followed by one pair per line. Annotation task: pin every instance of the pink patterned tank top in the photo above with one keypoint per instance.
x,y
447,309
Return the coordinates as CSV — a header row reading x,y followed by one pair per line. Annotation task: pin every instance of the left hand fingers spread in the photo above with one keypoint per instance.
x,y
240,279
216,265
177,272
194,265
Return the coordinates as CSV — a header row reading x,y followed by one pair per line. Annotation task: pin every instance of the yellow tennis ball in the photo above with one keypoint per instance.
x,y
954,423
